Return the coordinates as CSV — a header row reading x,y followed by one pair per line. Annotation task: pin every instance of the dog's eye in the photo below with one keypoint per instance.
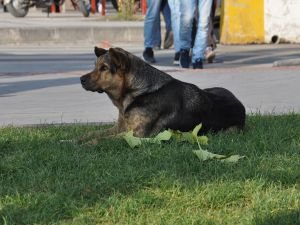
x,y
103,68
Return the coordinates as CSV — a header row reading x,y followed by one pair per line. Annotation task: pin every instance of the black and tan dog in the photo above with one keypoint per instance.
x,y
150,101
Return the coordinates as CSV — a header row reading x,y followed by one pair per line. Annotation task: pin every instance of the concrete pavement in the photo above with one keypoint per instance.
x,y
39,81
71,27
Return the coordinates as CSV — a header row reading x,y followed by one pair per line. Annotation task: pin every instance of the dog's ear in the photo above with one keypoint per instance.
x,y
120,59
99,51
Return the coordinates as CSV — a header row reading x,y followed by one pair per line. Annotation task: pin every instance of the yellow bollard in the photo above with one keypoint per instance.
x,y
242,22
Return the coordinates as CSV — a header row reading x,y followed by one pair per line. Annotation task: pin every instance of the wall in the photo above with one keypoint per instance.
x,y
282,20
260,21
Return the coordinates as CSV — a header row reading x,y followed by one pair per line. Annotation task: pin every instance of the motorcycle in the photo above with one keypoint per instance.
x,y
20,8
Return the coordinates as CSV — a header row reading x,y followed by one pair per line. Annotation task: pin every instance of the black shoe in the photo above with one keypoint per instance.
x,y
184,59
148,55
176,58
168,42
198,64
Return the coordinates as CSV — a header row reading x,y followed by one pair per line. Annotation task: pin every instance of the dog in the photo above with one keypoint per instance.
x,y
150,101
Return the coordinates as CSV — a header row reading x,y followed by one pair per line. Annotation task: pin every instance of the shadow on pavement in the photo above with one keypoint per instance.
x,y
10,88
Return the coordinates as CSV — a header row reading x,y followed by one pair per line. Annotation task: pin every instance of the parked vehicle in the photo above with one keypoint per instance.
x,y
20,8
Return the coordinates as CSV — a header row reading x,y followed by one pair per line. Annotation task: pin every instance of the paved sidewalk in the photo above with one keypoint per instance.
x,y
71,27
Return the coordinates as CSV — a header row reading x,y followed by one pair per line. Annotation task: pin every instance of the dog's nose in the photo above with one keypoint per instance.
x,y
83,79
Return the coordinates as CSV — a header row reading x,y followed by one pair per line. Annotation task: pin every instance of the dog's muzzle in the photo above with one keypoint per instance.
x,y
83,80
86,84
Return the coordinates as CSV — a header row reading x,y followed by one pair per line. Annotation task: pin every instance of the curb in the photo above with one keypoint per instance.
x,y
76,35
288,62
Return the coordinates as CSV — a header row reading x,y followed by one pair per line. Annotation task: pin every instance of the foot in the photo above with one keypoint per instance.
x,y
184,59
198,64
148,55
168,42
176,58
209,55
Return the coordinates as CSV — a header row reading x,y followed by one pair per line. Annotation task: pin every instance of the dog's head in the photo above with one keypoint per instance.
x,y
109,73
119,73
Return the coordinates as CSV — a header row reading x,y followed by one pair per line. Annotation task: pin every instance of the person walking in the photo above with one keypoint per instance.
x,y
152,28
187,14
168,40
210,53
175,21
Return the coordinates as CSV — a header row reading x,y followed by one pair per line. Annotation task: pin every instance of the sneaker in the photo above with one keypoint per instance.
x,y
198,64
176,58
184,58
148,55
209,55
168,42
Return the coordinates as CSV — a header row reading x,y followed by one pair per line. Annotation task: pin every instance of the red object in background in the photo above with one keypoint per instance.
x,y
93,6
54,8
103,2
103,7
144,6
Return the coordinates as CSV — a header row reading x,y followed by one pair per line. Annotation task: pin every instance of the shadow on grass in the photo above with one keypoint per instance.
x,y
44,181
279,218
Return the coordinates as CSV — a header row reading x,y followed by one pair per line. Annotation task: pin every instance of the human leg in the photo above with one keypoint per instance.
x,y
204,9
168,40
150,26
157,33
211,40
175,22
165,9
150,22
210,54
187,12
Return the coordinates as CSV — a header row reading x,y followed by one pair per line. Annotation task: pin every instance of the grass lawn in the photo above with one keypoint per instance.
x,y
45,181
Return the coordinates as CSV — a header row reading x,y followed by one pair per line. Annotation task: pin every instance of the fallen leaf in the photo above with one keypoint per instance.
x,y
203,140
131,140
233,158
191,137
163,136
196,130
204,155
136,141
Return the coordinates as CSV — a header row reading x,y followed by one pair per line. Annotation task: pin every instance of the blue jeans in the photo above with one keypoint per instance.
x,y
188,10
175,18
152,31
165,9
151,22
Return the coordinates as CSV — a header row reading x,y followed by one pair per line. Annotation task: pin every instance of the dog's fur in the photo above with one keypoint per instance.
x,y
150,100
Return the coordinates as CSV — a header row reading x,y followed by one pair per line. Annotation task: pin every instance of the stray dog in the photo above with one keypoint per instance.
x,y
150,101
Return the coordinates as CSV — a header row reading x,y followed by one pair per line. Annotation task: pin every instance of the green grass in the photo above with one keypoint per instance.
x,y
45,181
